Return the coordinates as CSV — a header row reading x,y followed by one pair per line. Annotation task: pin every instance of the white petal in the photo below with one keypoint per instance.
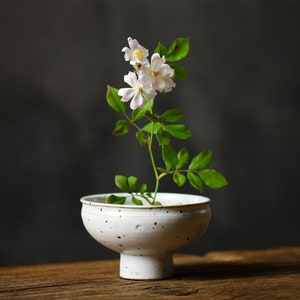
x,y
145,76
126,93
131,79
169,84
124,49
133,44
137,101
145,51
150,94
157,61
159,84
166,71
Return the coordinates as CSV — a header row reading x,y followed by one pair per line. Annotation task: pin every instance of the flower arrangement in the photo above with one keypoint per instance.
x,y
146,80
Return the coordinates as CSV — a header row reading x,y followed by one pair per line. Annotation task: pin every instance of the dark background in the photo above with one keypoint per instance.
x,y
241,100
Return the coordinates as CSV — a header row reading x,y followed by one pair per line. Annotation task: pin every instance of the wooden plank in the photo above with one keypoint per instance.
x,y
264,274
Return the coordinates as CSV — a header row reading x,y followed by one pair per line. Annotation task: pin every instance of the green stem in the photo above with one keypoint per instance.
x,y
150,141
162,175
153,162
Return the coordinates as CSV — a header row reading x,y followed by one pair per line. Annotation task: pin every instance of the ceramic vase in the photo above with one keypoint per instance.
x,y
146,236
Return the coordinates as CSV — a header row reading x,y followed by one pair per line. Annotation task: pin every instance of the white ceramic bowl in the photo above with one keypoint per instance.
x,y
146,236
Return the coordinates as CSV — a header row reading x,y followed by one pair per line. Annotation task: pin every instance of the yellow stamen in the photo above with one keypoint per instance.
x,y
138,53
140,90
154,73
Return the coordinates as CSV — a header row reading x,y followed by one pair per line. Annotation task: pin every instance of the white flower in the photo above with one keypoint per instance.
x,y
136,53
137,92
157,74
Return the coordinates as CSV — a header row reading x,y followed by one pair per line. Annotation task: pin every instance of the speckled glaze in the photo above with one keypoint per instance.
x,y
146,236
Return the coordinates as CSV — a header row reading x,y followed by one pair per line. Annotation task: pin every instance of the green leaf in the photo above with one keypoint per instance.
x,y
178,50
113,199
139,113
180,73
136,201
201,160
149,194
169,156
213,178
141,138
148,127
172,115
143,188
160,49
157,203
122,183
121,127
162,137
132,183
179,131
179,179
162,170
195,181
114,100
183,157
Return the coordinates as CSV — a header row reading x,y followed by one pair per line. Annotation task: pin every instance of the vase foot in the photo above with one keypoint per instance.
x,y
146,267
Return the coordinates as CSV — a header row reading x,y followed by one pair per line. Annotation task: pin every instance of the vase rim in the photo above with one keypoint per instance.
x,y
162,196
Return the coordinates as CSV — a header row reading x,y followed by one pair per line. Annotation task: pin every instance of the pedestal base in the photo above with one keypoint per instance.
x,y
146,267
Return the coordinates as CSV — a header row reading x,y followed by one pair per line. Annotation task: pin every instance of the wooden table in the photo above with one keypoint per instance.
x,y
263,274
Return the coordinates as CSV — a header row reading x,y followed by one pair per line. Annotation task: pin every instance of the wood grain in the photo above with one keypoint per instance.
x,y
263,274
